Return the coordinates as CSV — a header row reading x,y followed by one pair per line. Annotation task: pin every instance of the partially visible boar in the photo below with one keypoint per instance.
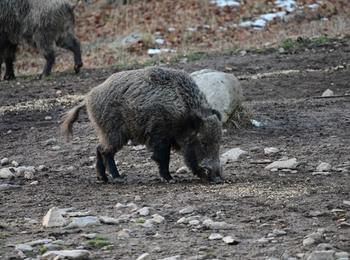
x,y
42,24
159,107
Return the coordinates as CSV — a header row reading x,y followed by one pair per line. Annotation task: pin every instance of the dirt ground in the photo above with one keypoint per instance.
x,y
256,201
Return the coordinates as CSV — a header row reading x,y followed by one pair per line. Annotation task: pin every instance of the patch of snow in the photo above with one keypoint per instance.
x,y
288,5
271,16
313,6
159,51
160,41
223,3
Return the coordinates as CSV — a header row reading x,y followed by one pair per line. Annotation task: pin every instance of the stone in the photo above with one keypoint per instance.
x,y
270,150
279,232
109,220
342,255
215,236
54,218
263,240
66,254
175,257
308,241
55,148
14,164
186,220
6,173
123,234
222,90
137,198
158,218
346,202
327,93
324,246
28,175
316,213
144,211
39,242
210,224
89,236
82,222
322,255
24,248
323,167
6,186
144,256
230,240
48,117
182,170
283,164
4,161
186,210
149,223
42,168
24,169
50,141
34,183
231,155
194,222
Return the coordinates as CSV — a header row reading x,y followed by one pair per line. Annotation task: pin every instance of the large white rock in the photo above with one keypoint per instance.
x,y
6,173
231,155
223,90
54,218
66,254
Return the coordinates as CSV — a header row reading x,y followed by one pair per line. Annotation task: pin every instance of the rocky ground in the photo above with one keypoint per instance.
x,y
296,211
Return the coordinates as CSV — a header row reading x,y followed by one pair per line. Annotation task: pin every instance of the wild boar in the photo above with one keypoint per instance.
x,y
159,107
40,23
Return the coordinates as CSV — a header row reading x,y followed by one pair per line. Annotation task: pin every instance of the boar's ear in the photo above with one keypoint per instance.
x,y
194,120
217,113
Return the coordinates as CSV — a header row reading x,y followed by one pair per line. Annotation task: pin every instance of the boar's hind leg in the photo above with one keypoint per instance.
x,y
100,166
47,49
161,154
71,43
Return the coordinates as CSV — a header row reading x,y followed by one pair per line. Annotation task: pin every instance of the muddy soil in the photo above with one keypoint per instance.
x,y
256,201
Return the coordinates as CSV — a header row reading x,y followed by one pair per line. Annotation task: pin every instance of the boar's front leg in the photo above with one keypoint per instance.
x,y
161,155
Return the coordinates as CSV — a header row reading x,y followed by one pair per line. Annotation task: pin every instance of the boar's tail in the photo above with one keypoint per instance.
x,y
68,120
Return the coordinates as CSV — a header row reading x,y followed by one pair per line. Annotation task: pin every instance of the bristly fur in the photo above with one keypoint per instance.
x,y
42,24
162,108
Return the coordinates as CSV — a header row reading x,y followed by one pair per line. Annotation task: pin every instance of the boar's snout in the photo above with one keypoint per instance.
x,y
213,174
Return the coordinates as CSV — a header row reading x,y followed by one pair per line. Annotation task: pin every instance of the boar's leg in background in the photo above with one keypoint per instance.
x,y
10,56
7,55
161,155
72,44
47,50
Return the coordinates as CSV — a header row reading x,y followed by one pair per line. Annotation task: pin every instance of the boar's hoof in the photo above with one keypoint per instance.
x,y
10,76
77,67
120,179
209,176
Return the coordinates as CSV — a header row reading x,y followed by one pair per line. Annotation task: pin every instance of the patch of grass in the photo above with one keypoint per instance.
x,y
193,56
99,242
140,221
42,249
288,44
293,45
